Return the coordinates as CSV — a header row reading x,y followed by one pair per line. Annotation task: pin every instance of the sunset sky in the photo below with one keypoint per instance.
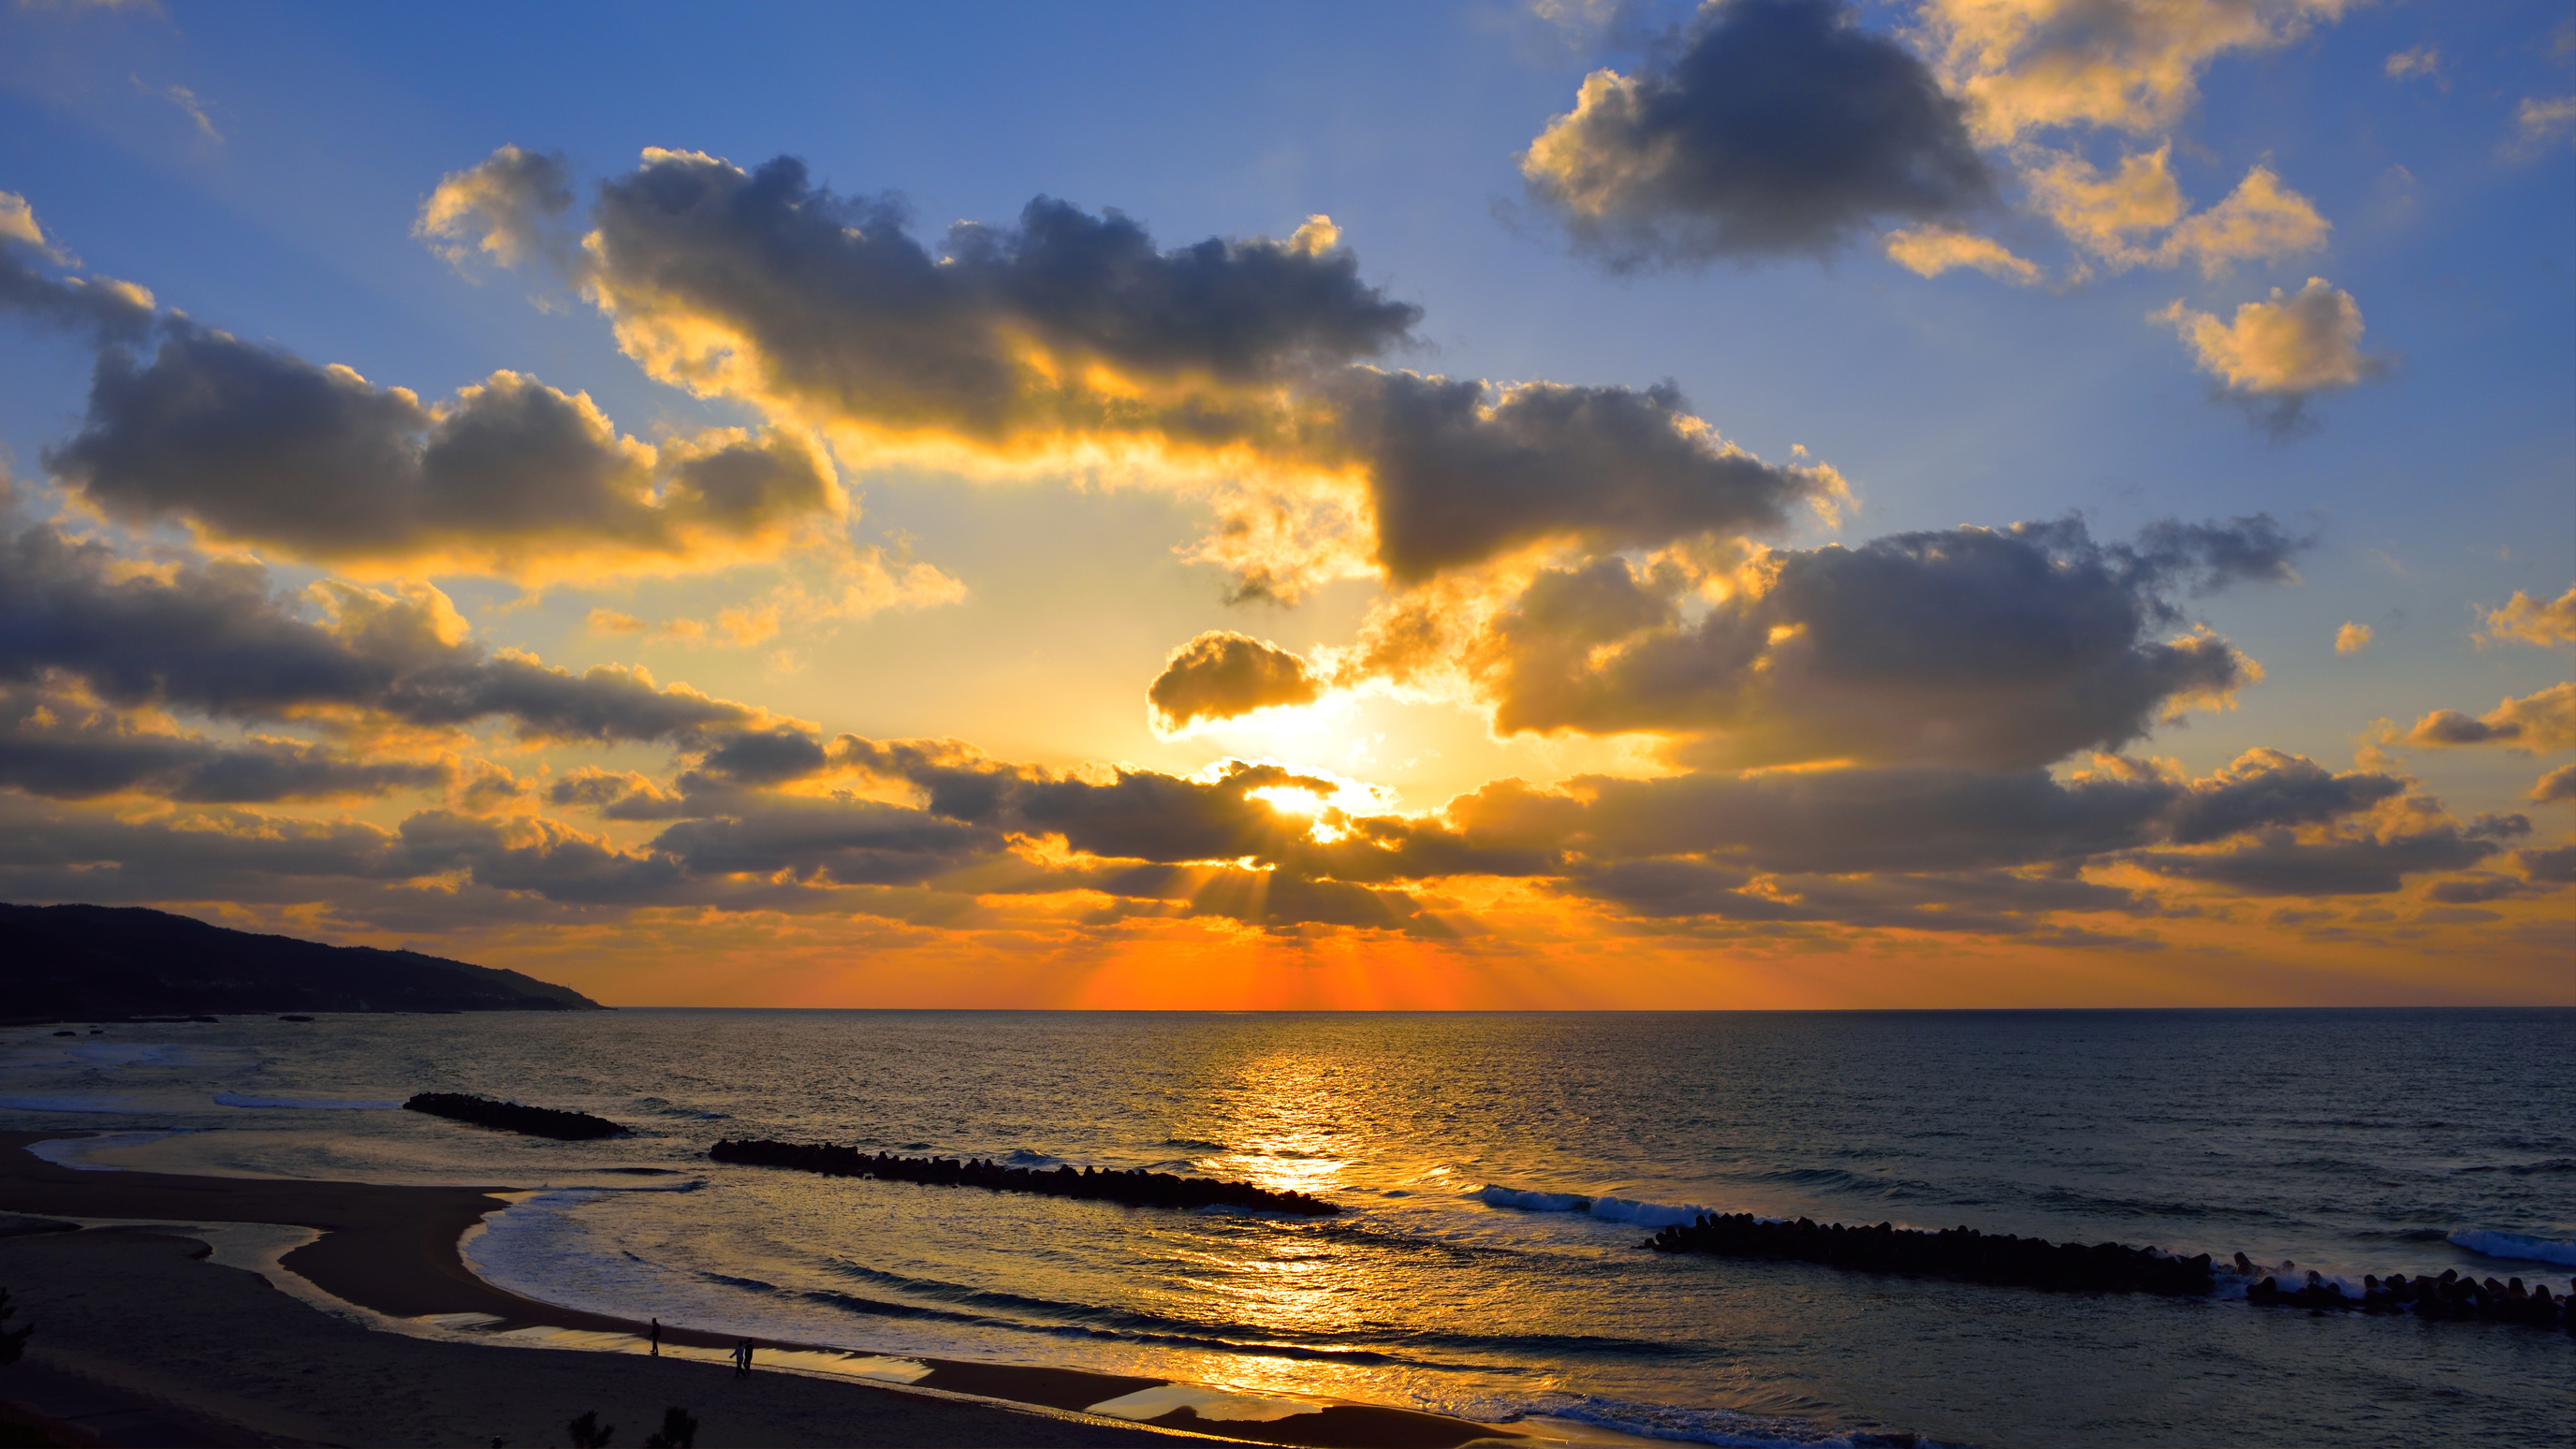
x,y
1969,503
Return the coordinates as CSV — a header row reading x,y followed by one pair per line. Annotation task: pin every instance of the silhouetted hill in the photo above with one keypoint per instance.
x,y
60,963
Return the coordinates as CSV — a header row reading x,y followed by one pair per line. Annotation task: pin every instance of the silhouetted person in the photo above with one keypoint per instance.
x,y
742,1359
657,1338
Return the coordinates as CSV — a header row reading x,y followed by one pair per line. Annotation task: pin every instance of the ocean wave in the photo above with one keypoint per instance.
x,y
1702,1426
2515,1245
67,1102
311,1104
1053,1316
1608,1209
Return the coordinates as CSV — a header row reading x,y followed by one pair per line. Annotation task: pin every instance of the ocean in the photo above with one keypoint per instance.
x,y
1498,1173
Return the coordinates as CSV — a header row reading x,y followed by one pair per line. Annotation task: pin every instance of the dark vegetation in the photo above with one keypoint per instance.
x,y
109,963
1135,1187
587,1432
13,1341
679,1430
512,1117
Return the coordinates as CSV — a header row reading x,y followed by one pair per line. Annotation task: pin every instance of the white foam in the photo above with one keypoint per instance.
x,y
2515,1245
1207,1403
310,1104
74,1152
1608,1209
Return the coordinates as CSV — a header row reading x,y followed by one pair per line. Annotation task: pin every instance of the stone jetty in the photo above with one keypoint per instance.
x,y
2015,1262
512,1117
1134,1187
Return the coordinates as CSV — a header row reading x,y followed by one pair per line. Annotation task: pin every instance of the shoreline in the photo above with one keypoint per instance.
x,y
394,1250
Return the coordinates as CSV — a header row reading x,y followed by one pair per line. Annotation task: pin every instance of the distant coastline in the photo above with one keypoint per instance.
x,y
117,963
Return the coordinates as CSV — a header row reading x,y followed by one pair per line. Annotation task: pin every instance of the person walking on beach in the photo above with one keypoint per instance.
x,y
742,1359
657,1338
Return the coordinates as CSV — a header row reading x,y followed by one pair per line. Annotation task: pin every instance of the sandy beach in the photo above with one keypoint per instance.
x,y
136,1318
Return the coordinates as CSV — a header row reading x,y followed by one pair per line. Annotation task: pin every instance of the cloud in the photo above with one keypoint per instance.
x,y
63,746
253,444
2558,787
1768,128
510,206
1930,251
2113,217
1997,648
1222,674
2278,354
2130,65
2523,620
1242,371
2538,724
1460,472
2538,119
2352,638
107,309
2369,856
2422,62
186,100
216,639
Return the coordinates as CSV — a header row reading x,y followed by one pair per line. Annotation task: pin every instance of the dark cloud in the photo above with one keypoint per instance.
x,y
67,749
257,444
1984,902
1069,336
1222,674
1767,128
842,308
2357,858
1994,648
214,638
2558,787
1459,473
2536,723
843,841
99,307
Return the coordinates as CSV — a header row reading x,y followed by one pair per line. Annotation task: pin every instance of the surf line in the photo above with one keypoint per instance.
x,y
1135,1187
2004,1260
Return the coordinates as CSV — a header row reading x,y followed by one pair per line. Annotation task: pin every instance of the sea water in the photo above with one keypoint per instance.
x,y
1497,1174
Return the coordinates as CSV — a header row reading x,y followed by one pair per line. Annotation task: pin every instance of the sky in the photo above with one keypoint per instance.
x,y
1786,504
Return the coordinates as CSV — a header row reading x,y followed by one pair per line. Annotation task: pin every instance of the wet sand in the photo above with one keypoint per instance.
x,y
126,1305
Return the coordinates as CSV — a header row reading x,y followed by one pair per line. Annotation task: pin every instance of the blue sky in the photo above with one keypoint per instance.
x,y
262,170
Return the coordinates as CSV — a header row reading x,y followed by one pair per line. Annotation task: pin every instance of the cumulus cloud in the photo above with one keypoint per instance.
x,y
1930,251
2524,620
1242,369
1461,472
2558,787
2130,65
61,745
1222,674
1767,128
253,444
2368,855
218,640
2114,217
102,307
511,207
2278,354
2352,638
2539,724
1995,648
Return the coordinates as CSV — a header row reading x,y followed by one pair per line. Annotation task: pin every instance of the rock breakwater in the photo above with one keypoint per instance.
x,y
1135,1187
513,1117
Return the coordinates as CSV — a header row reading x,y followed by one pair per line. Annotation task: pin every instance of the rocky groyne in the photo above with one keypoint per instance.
x,y
1134,1187
513,1117
1997,1258
2015,1262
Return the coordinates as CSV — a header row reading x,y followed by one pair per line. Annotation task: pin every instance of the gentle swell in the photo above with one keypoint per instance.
x,y
1608,1209
2515,1245
312,1104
